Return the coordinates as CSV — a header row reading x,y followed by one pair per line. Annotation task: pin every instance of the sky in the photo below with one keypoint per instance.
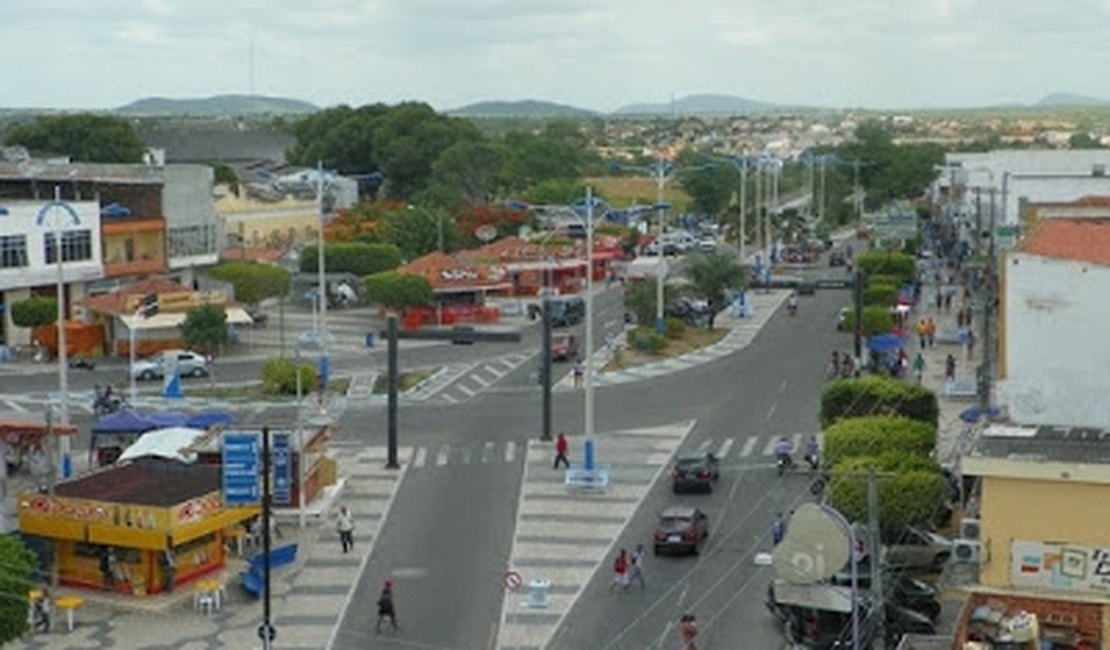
x,y
596,54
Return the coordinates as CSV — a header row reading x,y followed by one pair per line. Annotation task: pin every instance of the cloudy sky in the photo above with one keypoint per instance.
x,y
597,54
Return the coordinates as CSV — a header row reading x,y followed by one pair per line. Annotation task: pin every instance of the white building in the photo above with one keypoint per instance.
x,y
28,265
1054,323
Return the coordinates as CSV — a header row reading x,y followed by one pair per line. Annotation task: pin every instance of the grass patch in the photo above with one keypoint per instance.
x,y
405,382
690,340
254,391
628,190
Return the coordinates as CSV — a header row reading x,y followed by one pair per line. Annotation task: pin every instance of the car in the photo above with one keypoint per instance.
x,y
681,529
707,244
697,473
688,309
564,346
258,317
836,258
460,335
915,549
189,364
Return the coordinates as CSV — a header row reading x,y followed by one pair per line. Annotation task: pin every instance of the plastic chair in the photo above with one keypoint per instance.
x,y
206,603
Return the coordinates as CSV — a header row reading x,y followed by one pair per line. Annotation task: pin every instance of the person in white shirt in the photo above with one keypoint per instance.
x,y
346,527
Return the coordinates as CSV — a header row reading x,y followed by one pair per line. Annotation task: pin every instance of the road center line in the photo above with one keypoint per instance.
x,y
510,451
771,411
785,383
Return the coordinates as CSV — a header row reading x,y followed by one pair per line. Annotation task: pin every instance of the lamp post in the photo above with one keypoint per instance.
x,y
321,288
438,219
589,406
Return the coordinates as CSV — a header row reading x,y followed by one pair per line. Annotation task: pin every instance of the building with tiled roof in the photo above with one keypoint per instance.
x,y
1054,318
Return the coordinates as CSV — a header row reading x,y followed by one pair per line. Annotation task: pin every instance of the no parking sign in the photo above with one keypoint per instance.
x,y
512,580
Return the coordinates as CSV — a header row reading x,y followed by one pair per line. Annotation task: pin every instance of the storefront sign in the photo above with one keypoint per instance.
x,y
197,509
283,473
240,468
1059,566
82,511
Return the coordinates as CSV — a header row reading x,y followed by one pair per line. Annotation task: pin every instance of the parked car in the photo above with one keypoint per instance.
x,y
688,309
681,528
836,258
917,550
564,346
189,364
460,335
695,473
258,317
565,310
707,244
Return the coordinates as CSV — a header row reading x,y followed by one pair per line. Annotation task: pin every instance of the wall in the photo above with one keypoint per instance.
x,y
258,221
21,219
1063,513
1055,319
192,237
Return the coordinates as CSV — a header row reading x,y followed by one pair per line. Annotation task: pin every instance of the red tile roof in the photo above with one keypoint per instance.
x,y
266,255
445,272
1081,240
115,303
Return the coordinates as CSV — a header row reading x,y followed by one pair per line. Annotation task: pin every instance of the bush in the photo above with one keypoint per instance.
x,y
877,320
875,395
253,282
19,565
279,377
35,311
900,265
880,295
892,280
356,258
911,492
674,328
877,435
646,340
399,290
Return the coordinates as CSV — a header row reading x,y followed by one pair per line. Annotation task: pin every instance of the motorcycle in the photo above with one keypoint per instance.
x,y
105,405
783,463
82,363
814,461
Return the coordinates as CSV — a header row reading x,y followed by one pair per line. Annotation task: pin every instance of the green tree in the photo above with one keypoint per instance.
x,y
279,377
711,189
877,435
877,320
877,395
880,295
204,328
399,290
408,139
35,311
533,159
223,174
554,191
342,137
711,275
253,282
639,300
84,137
1083,140
899,265
415,231
912,490
16,578
355,258
469,171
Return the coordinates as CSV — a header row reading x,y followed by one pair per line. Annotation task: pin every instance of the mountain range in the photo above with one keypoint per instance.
x,y
700,104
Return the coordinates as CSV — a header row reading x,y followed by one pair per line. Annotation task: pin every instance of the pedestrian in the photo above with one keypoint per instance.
x,y
778,529
930,332
41,612
948,302
939,300
919,366
169,569
345,526
922,332
834,365
561,447
970,343
108,569
950,368
579,372
687,627
636,572
960,319
386,608
620,572
968,314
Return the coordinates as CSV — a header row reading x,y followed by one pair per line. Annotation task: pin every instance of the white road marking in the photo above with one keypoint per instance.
x,y
508,364
785,383
489,452
703,447
510,451
421,457
465,453
15,406
797,441
466,389
749,445
770,448
450,398
482,381
493,371
441,456
725,447
771,411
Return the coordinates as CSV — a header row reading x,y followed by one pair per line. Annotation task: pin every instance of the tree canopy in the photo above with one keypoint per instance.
x,y
355,258
16,578
35,311
205,328
84,137
711,275
399,290
253,282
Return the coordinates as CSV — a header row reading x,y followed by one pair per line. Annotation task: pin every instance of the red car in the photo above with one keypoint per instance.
x,y
564,346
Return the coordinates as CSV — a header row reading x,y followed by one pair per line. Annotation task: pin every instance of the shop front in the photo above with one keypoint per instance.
x,y
111,529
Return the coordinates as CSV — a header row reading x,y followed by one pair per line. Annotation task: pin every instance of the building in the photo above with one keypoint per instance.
x,y
280,225
1054,319
1043,538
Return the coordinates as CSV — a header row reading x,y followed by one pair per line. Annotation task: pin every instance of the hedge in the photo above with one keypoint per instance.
x,y
673,328
645,339
873,436
35,311
911,492
900,265
253,282
877,395
398,290
877,320
880,295
279,377
356,258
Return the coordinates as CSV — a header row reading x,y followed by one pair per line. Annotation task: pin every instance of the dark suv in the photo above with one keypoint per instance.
x,y
697,473
681,528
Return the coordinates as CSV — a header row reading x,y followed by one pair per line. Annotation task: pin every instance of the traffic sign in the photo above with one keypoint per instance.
x,y
283,474
266,632
241,456
512,580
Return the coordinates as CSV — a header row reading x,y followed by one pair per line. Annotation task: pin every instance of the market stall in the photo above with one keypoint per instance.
x,y
114,433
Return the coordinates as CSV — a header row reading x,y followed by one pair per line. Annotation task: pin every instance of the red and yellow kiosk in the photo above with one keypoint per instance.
x,y
137,510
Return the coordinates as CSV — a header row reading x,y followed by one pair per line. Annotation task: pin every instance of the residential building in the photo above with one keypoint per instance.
x,y
193,235
249,223
1054,319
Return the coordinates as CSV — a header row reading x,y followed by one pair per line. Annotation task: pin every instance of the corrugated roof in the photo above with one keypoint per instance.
x,y
1081,240
115,303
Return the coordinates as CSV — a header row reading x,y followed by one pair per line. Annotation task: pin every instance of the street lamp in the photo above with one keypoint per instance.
x,y
438,219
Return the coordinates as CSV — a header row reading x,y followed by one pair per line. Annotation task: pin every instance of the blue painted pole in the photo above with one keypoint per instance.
x,y
588,461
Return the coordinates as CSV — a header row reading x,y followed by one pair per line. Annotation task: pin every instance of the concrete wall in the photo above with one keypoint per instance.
x,y
1038,511
1054,341
192,232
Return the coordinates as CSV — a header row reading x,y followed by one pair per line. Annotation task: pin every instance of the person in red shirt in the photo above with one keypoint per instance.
x,y
689,631
620,571
561,451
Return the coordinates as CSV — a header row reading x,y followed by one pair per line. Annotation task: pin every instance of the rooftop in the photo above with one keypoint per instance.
x,y
1080,240
153,482
115,303
1044,444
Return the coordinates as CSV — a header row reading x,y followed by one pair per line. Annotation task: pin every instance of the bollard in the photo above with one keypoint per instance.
x,y
538,598
588,462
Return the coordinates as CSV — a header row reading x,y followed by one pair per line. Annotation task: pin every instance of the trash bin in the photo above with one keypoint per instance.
x,y
369,339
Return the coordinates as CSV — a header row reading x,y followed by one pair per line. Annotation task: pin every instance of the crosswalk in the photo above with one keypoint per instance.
x,y
471,380
738,447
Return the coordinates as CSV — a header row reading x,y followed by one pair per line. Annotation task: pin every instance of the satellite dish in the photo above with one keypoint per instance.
x,y
486,233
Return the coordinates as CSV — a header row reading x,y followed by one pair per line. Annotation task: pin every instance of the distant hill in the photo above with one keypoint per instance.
x,y
524,108
1070,99
697,104
216,105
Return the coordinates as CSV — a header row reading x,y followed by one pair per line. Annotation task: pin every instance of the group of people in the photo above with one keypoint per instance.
x,y
784,450
628,569
926,333
841,366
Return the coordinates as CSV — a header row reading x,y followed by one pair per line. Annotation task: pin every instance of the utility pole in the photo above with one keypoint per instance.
x,y
857,299
391,408
758,210
878,607
266,630
979,219
821,207
545,365
743,209
856,194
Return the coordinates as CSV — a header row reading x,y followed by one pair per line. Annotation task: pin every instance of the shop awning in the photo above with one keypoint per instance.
x,y
229,517
127,537
169,320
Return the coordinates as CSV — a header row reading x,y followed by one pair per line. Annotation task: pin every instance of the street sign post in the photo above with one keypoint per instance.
x,y
283,468
240,468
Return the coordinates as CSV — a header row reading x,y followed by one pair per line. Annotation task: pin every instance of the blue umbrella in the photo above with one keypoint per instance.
x,y
207,419
884,343
975,413
166,419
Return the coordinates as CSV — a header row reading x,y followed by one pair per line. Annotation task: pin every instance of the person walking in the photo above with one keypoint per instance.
x,y
930,332
919,366
636,570
169,569
345,526
41,612
620,572
579,372
950,368
108,569
386,608
778,529
561,447
970,343
921,333
687,627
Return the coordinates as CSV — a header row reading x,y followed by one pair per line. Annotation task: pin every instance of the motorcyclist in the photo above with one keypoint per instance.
x,y
783,449
813,452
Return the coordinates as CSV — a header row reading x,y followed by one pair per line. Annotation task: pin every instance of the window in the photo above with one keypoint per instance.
x,y
13,251
187,241
76,246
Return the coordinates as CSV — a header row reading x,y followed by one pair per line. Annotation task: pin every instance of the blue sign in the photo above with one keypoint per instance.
x,y
241,459
283,468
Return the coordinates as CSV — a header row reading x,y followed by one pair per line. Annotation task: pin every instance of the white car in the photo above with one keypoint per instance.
x,y
707,245
189,364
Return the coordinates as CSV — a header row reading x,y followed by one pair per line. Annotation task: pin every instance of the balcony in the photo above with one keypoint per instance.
x,y
134,246
134,267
